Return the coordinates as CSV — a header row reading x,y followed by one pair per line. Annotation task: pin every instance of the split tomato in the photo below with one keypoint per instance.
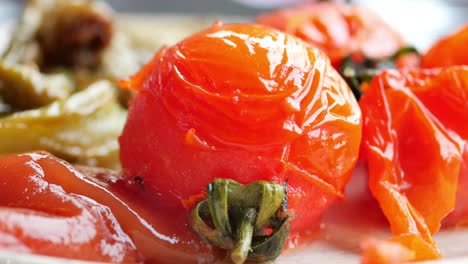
x,y
337,29
248,103
415,129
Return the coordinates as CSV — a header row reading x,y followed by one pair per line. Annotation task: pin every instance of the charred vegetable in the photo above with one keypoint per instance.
x,y
82,128
51,82
57,33
76,36
24,88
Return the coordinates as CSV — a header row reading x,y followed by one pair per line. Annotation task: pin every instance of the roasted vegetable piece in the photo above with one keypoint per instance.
x,y
58,32
24,88
43,211
415,128
43,66
75,33
247,103
338,29
451,50
77,36
82,129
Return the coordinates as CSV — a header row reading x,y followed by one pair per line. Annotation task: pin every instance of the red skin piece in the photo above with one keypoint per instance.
x,y
337,29
248,103
451,50
415,129
39,215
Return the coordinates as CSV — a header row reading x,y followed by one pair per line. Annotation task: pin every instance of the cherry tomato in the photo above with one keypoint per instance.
x,y
415,128
449,51
338,29
248,103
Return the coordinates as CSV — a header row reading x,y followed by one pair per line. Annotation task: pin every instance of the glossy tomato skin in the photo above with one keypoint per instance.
x,y
414,135
247,103
38,214
49,207
337,29
449,51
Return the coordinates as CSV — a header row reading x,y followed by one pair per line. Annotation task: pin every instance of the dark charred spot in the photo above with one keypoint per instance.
x,y
75,37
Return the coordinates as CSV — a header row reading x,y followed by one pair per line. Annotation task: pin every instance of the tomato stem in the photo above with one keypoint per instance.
x,y
244,237
241,215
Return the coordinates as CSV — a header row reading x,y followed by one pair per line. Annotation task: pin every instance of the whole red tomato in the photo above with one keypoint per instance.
x,y
248,103
415,130
337,29
449,51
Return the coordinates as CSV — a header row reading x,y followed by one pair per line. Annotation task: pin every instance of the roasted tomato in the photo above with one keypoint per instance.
x,y
338,29
49,207
449,51
247,103
42,213
415,128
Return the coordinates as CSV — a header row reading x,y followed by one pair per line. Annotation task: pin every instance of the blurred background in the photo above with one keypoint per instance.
x,y
420,21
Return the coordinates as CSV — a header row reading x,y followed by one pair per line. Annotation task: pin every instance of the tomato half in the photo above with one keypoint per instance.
x,y
449,51
337,29
248,103
415,126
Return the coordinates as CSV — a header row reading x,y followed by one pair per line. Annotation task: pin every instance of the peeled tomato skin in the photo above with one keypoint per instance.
x,y
248,103
414,139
